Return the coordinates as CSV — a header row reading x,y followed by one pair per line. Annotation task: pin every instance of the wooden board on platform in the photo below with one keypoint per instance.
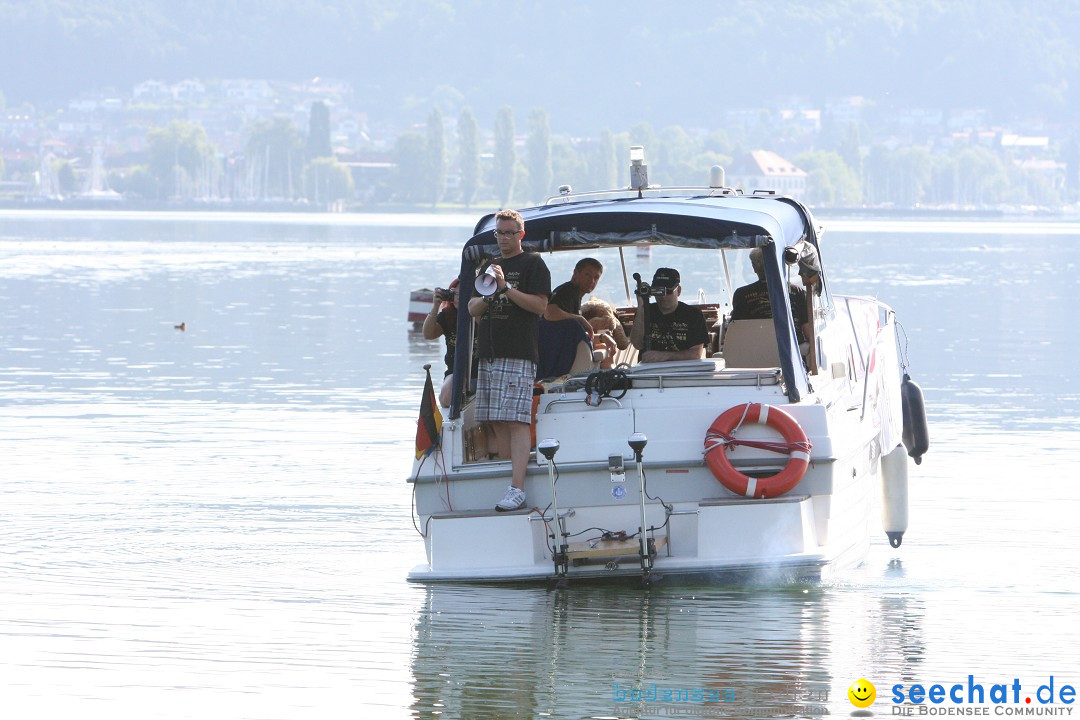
x,y
610,548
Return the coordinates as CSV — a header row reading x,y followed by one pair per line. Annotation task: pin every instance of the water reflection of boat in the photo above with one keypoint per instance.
x,y
604,652
675,468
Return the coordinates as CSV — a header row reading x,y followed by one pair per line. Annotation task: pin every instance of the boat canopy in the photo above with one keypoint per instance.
x,y
703,222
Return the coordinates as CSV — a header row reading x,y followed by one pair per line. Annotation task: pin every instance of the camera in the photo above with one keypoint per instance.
x,y
646,290
444,294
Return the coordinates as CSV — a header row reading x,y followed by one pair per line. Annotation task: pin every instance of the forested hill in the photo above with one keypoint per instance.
x,y
597,62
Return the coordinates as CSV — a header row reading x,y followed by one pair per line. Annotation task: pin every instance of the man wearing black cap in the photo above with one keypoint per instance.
x,y
669,330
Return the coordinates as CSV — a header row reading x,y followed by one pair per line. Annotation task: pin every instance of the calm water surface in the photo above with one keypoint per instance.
x,y
214,523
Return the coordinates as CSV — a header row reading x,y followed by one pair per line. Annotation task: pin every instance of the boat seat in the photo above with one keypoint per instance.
x,y
750,344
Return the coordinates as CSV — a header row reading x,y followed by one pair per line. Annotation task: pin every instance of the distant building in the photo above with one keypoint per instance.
x,y
189,91
1027,144
845,111
920,117
152,91
805,119
967,119
246,90
765,170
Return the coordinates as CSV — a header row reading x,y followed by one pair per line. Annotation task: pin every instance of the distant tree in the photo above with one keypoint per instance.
x,y
981,177
327,180
435,158
877,185
902,177
710,158
829,179
505,155
410,157
468,156
65,177
1035,188
1071,158
539,155
678,159
642,134
274,152
622,157
605,164
912,169
318,139
850,150
179,154
569,166
138,182
720,141
819,188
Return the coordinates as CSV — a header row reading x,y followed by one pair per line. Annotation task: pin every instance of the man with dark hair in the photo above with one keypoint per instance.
x,y
670,329
508,321
566,300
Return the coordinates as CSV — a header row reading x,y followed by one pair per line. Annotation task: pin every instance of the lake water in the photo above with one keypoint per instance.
x,y
214,523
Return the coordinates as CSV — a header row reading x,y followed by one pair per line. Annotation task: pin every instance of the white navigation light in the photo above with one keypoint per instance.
x,y
637,442
639,171
548,447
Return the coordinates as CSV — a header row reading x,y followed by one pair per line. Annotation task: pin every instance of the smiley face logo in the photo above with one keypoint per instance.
x,y
862,693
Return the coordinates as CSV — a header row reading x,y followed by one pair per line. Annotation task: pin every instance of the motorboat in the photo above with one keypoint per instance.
x,y
766,456
419,306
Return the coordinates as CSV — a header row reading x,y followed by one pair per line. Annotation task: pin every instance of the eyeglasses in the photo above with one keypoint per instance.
x,y
506,233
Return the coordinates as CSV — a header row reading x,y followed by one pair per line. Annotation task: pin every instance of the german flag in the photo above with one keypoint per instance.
x,y
429,425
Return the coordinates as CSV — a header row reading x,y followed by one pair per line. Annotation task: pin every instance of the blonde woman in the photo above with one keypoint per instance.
x,y
608,334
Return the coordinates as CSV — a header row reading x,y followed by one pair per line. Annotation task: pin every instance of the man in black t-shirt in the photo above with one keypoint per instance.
x,y
565,301
508,325
751,302
669,330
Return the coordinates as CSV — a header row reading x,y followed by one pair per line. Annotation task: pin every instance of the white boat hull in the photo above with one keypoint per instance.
x,y
699,527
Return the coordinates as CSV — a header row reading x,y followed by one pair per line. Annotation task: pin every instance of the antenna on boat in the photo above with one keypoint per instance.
x,y
637,443
548,447
639,171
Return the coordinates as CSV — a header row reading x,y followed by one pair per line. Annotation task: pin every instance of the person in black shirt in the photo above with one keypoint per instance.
x,y
565,301
509,321
442,322
751,302
669,330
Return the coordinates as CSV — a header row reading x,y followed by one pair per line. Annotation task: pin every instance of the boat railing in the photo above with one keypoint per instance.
x,y
657,191
688,373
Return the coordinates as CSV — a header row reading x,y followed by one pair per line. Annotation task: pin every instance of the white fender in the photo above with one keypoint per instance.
x,y
894,494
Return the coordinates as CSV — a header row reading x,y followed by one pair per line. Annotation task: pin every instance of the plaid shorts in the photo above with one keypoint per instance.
x,y
504,390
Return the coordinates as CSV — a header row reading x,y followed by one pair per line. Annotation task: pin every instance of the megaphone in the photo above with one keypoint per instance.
x,y
486,284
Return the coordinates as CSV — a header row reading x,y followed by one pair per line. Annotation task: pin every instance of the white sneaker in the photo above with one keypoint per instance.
x,y
512,500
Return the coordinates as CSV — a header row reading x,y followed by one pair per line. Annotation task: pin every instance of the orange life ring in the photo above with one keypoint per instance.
x,y
721,436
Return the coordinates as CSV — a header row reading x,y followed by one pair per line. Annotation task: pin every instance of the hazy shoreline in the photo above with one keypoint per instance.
x,y
271,208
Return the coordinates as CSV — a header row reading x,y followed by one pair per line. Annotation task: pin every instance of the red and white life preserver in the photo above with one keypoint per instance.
x,y
721,437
